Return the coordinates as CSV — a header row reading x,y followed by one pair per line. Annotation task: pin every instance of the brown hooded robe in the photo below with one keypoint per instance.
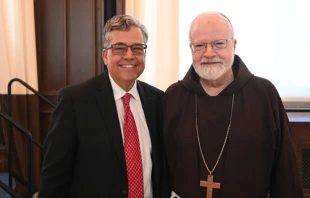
x,y
258,158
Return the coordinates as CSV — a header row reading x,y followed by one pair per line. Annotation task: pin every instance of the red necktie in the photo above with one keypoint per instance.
x,y
132,152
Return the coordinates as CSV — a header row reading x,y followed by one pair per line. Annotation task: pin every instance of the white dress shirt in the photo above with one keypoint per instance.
x,y
143,131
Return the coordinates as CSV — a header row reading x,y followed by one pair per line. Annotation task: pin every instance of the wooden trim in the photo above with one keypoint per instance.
x,y
99,20
120,7
65,44
49,93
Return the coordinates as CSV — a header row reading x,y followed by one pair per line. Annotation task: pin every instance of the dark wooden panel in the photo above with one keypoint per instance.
x,y
98,43
50,38
3,159
120,7
81,41
68,37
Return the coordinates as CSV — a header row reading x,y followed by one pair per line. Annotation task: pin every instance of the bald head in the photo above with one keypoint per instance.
x,y
211,22
214,60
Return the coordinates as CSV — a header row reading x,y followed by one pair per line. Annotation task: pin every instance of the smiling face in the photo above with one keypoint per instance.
x,y
211,64
125,69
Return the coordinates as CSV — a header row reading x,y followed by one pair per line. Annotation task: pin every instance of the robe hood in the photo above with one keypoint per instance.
x,y
241,76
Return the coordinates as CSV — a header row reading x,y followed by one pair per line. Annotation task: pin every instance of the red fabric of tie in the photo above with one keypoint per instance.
x,y
132,152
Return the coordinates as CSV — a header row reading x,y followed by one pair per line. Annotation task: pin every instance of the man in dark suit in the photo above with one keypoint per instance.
x,y
98,145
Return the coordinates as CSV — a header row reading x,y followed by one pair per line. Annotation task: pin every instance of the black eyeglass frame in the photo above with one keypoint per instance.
x,y
144,46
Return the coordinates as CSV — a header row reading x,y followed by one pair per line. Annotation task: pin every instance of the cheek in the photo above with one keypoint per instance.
x,y
229,54
196,58
113,60
223,55
141,60
228,57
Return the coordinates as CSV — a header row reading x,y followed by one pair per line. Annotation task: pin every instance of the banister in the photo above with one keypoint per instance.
x,y
29,137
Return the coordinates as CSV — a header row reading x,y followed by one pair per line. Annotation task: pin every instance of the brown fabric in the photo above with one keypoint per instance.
x,y
25,111
259,155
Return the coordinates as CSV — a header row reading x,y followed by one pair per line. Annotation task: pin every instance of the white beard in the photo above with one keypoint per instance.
x,y
210,73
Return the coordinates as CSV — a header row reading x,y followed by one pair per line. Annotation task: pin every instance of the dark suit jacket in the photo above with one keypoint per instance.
x,y
83,152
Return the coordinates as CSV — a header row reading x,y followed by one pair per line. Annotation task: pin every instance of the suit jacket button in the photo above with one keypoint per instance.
x,y
124,192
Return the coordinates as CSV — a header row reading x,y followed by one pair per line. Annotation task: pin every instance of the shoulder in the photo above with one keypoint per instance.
x,y
262,85
84,89
262,91
176,89
149,89
262,82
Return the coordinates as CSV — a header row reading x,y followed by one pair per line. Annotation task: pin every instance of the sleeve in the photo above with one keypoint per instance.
x,y
59,150
285,179
165,180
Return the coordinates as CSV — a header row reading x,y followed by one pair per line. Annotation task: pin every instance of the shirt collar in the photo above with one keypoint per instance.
x,y
119,92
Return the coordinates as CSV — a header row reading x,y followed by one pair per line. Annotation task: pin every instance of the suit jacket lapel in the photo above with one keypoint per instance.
x,y
107,106
148,105
149,108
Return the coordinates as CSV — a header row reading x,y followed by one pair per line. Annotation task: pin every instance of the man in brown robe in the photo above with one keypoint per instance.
x,y
223,123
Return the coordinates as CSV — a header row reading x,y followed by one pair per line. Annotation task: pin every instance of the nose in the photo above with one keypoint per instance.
x,y
209,51
129,54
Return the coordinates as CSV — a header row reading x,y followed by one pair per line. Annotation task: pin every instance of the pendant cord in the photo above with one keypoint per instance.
x,y
198,139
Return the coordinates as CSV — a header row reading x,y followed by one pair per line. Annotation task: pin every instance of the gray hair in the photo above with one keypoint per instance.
x,y
122,23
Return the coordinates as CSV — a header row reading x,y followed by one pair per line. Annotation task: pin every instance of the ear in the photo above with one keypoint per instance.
x,y
235,43
105,56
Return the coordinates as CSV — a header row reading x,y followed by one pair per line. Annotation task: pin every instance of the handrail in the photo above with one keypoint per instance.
x,y
9,190
28,87
29,137
10,129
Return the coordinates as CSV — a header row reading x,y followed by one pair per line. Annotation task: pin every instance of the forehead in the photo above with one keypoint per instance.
x,y
131,36
209,28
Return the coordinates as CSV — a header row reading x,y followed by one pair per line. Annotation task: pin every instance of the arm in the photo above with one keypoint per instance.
x,y
165,180
285,179
59,150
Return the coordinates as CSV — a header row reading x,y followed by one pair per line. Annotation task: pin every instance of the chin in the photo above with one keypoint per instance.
x,y
130,77
212,73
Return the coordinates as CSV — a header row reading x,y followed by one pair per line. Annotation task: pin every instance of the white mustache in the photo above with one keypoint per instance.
x,y
206,60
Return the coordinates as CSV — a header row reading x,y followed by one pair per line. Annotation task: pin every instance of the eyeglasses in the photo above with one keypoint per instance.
x,y
121,49
218,44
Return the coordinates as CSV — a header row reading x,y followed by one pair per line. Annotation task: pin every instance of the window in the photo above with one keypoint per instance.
x,y
273,40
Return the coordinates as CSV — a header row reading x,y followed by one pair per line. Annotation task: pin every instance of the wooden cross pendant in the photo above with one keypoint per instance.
x,y
210,185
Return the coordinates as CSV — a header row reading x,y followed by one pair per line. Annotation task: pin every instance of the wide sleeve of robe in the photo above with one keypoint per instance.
x,y
285,180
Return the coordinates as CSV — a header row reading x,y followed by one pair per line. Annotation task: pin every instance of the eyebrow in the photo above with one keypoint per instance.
x,y
209,42
120,43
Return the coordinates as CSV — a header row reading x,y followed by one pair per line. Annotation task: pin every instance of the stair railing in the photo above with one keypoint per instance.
x,y
10,131
29,137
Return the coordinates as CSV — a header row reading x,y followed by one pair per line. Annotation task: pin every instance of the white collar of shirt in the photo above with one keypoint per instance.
x,y
119,92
